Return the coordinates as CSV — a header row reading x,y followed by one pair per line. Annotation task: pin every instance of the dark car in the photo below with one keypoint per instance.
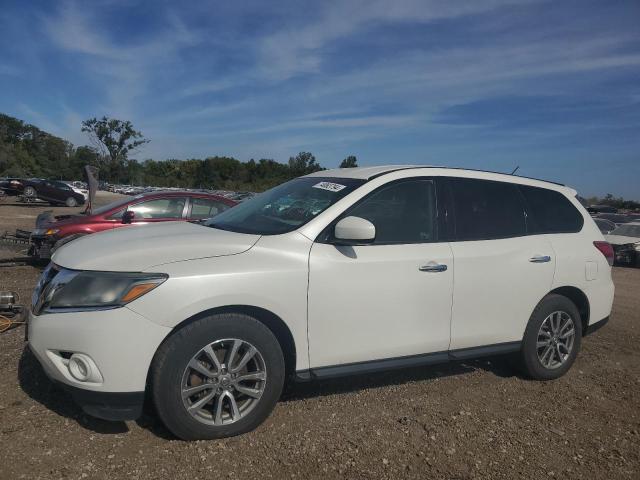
x,y
605,226
601,209
617,218
52,191
53,232
11,186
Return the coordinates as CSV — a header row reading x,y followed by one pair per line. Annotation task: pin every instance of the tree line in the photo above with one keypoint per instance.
x,y
616,202
27,151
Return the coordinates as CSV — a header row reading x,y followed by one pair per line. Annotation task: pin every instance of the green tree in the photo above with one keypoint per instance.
x,y
303,164
114,139
350,162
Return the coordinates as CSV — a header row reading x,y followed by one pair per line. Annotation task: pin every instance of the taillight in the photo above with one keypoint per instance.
x,y
606,249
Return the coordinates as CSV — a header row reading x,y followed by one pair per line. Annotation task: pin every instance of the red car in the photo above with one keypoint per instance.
x,y
51,233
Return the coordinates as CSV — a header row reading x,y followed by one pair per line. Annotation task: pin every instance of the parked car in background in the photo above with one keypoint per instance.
x,y
11,186
626,243
53,232
80,188
617,218
604,225
601,209
340,272
52,191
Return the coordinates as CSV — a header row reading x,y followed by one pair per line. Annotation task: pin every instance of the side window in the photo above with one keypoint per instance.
x,y
403,212
550,211
159,208
487,210
206,208
117,215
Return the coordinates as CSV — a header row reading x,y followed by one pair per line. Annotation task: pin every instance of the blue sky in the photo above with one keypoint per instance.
x,y
552,86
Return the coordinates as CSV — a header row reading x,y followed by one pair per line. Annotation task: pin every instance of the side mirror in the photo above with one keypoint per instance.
x,y
128,216
354,230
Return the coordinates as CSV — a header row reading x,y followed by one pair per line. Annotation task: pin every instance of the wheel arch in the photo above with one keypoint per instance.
x,y
269,319
580,300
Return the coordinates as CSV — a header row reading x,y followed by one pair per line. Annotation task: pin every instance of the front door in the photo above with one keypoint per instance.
x,y
388,299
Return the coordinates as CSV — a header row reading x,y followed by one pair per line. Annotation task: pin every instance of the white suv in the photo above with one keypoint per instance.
x,y
339,272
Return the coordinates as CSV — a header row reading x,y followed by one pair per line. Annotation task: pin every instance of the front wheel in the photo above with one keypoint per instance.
x,y
30,192
217,377
552,338
71,202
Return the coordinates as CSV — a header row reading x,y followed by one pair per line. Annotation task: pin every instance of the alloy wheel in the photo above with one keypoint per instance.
x,y
555,339
223,382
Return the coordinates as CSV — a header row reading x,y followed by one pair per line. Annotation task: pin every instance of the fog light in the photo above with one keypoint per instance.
x,y
80,367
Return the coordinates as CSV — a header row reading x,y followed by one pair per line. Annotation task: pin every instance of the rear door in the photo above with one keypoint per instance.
x,y
500,272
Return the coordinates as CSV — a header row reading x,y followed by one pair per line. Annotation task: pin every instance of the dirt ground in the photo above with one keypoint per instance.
x,y
465,420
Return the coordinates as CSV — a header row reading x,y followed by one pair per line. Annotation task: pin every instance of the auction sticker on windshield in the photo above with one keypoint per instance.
x,y
332,187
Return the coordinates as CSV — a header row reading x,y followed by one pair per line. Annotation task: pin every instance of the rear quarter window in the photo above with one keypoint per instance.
x,y
549,211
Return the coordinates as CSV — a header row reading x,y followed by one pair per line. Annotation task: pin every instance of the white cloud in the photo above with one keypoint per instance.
x,y
123,69
298,49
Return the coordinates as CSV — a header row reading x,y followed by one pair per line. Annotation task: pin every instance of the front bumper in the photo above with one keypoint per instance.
x,y
594,327
40,246
114,406
119,342
625,255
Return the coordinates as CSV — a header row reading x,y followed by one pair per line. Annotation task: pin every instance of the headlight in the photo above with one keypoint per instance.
x,y
45,231
72,289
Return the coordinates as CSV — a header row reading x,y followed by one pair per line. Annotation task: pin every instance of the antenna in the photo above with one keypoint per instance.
x,y
515,170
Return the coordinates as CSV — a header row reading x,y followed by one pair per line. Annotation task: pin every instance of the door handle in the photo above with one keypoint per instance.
x,y
540,259
433,267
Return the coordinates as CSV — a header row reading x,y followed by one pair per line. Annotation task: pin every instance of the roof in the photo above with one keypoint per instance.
x,y
368,173
182,193
363,173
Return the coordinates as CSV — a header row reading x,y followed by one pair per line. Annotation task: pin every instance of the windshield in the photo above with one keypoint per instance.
x,y
627,231
112,205
285,207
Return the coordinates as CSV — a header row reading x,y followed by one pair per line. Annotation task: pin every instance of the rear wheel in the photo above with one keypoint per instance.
x,y
217,377
71,202
552,338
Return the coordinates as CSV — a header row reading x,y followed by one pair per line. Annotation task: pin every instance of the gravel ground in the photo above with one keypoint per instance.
x,y
464,420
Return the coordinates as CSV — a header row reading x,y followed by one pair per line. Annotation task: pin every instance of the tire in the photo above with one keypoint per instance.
x,y
29,192
553,311
172,373
71,202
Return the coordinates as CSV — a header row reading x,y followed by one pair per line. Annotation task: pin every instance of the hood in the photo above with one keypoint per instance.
x,y
136,248
47,220
620,239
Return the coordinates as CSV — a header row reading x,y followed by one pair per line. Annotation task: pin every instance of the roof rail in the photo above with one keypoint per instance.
x,y
467,169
